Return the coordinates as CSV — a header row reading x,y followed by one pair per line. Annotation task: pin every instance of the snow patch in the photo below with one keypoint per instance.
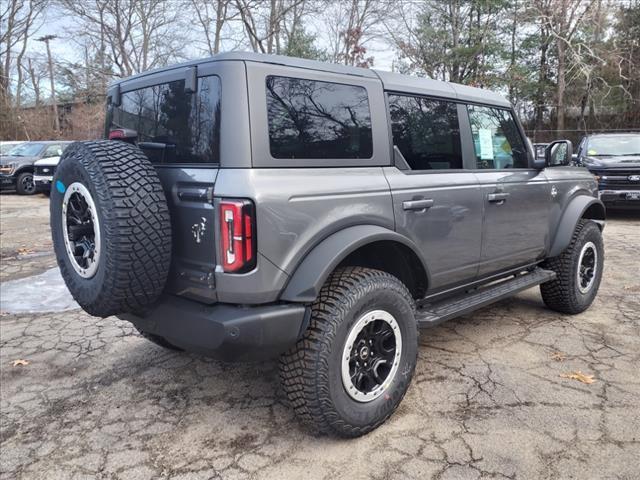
x,y
46,292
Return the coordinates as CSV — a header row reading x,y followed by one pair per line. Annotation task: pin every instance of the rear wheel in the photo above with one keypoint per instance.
x,y
25,184
352,367
578,271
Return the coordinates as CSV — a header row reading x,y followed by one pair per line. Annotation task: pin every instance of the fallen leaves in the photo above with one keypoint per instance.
x,y
20,363
24,251
558,356
579,376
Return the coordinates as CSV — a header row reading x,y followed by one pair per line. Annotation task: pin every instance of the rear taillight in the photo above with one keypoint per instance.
x,y
125,134
237,234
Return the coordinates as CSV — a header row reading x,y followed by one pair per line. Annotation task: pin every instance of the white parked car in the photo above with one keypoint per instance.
x,y
43,171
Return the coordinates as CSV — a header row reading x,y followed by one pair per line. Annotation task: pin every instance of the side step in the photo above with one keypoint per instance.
x,y
435,313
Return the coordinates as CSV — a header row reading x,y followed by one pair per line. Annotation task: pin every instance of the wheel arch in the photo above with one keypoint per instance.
x,y
361,245
580,207
24,169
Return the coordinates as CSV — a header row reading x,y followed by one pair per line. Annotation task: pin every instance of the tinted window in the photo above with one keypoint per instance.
x,y
426,132
496,139
174,126
311,119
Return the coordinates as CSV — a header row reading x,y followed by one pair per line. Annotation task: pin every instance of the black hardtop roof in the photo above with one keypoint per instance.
x,y
390,81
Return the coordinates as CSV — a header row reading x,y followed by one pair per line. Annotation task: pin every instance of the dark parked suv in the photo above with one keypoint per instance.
x,y
249,206
17,167
614,159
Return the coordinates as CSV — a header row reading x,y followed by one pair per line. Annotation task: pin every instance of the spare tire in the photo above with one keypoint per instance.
x,y
110,226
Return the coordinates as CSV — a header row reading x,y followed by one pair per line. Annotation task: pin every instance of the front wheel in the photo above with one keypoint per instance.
x,y
354,364
25,184
578,271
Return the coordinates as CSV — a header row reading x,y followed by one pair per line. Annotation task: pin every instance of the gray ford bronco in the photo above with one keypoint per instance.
x,y
249,206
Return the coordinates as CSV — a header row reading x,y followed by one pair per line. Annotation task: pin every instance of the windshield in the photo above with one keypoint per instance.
x,y
26,150
618,145
5,147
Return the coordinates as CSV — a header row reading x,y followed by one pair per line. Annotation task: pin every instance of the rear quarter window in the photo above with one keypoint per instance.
x,y
173,125
310,119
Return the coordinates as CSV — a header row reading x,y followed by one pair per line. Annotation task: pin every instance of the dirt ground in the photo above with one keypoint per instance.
x,y
97,400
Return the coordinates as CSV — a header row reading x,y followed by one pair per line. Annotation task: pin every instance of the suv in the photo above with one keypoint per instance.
x,y
614,159
249,206
17,167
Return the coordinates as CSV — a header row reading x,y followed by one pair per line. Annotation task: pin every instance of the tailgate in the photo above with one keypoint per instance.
x,y
189,193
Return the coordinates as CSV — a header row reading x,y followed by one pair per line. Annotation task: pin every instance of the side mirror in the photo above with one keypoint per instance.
x,y
558,153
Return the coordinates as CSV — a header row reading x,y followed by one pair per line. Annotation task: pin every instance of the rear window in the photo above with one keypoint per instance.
x,y
309,119
172,125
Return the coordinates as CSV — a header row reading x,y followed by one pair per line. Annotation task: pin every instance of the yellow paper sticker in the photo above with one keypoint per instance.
x,y
591,152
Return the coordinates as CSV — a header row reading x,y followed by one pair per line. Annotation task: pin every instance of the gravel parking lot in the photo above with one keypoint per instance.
x,y
491,397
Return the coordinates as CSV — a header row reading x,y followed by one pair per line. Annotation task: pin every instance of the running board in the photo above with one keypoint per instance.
x,y
435,313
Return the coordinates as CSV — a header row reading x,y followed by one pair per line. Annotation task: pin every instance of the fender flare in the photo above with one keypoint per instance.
x,y
311,273
570,218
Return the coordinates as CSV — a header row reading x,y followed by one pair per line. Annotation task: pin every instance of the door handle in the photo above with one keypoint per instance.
x,y
417,204
497,197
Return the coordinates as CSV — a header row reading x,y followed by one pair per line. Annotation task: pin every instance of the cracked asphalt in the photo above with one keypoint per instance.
x,y
97,400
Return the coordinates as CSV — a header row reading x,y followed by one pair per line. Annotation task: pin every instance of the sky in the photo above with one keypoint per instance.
x,y
54,22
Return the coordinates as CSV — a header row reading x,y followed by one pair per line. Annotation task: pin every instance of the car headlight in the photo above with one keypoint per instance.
x,y
9,168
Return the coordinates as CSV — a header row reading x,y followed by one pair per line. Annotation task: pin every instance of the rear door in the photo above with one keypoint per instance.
x,y
175,117
516,198
436,202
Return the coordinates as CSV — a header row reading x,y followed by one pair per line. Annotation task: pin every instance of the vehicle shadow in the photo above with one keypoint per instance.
x,y
623,213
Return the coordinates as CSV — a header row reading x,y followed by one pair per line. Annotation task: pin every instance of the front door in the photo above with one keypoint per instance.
x,y
516,198
437,204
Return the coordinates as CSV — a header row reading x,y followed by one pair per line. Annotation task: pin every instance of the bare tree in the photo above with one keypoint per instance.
x,y
212,16
563,19
17,22
266,21
350,25
136,35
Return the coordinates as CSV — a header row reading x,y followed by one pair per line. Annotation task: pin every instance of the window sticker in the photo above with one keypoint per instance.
x,y
591,152
486,144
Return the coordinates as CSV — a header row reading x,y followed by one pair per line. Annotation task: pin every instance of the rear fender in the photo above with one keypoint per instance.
x,y
308,278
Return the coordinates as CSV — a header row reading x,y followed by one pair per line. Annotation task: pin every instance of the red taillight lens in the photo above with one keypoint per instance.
x,y
116,134
125,134
237,227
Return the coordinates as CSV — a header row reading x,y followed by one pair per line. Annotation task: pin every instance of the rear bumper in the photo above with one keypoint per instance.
x,y
227,332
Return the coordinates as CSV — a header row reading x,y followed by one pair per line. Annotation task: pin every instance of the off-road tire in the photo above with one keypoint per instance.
x,y
310,372
134,225
20,188
562,294
160,341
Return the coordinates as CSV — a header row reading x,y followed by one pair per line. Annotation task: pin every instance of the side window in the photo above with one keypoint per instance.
x,y
426,131
52,151
310,119
174,126
496,139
